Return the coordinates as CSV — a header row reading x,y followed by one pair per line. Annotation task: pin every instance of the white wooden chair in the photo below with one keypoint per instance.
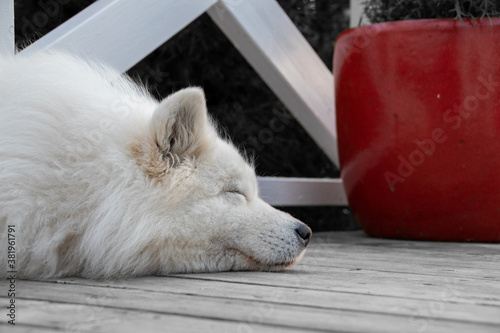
x,y
123,32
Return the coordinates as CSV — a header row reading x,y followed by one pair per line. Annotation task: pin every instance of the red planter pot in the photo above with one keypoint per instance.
x,y
418,120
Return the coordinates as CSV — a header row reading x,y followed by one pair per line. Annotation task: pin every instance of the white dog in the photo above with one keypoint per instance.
x,y
97,179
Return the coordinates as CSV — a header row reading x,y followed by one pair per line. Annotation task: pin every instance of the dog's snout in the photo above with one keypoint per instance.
x,y
304,233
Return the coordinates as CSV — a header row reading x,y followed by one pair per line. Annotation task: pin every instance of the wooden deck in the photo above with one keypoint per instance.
x,y
347,282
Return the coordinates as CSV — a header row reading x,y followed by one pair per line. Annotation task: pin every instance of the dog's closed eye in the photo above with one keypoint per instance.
x,y
235,191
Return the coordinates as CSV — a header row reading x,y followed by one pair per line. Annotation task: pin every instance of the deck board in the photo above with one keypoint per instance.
x,y
347,282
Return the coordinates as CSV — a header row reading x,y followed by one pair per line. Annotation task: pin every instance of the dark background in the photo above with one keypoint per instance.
x,y
393,10
237,97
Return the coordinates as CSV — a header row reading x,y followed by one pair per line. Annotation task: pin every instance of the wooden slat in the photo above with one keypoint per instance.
x,y
405,263
369,283
281,191
294,296
274,47
27,329
94,318
111,308
121,33
7,44
359,241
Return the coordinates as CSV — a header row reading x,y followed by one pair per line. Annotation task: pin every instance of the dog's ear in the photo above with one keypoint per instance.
x,y
180,125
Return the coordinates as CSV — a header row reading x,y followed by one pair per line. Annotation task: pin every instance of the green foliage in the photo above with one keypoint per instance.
x,y
393,10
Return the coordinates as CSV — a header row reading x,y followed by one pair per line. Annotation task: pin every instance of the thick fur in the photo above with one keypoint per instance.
x,y
102,181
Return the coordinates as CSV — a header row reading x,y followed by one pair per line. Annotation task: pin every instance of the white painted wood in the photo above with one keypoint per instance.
x,y
281,191
356,11
121,33
271,43
7,44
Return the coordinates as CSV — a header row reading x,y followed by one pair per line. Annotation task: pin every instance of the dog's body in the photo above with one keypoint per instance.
x,y
100,180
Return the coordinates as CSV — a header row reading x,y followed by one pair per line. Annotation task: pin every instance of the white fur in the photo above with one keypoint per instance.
x,y
102,181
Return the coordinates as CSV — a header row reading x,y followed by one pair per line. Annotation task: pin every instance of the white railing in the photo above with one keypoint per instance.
x,y
7,44
123,32
356,9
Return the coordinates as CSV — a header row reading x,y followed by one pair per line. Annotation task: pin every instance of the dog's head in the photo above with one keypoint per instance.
x,y
209,214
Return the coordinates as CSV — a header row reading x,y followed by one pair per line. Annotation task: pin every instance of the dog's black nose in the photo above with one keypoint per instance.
x,y
304,233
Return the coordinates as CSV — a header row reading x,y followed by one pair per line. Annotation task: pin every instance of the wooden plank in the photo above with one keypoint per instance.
x,y
121,33
7,43
274,47
358,241
460,257
99,303
490,259
281,191
292,296
395,285
95,318
27,329
359,237
406,264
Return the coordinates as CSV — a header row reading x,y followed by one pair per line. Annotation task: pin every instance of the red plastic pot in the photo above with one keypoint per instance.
x,y
418,120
